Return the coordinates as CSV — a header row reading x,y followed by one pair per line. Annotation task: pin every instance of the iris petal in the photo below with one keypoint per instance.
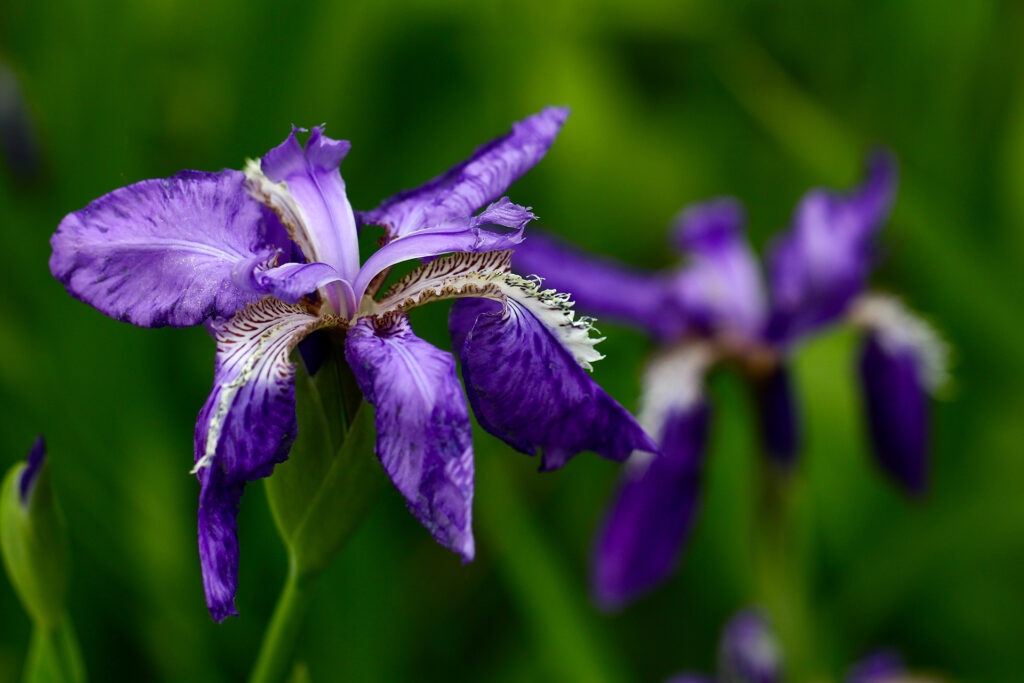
x,y
424,438
168,251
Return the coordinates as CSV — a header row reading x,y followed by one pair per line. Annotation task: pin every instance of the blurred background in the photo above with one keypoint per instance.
x,y
672,102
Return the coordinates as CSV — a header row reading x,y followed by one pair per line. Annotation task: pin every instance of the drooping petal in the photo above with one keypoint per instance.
x,y
523,364
172,251
884,666
246,426
464,235
33,465
778,416
901,361
749,651
304,185
424,439
721,287
475,182
822,263
641,539
600,286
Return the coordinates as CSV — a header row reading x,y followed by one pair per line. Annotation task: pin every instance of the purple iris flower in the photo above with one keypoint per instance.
x,y
268,256
716,309
749,652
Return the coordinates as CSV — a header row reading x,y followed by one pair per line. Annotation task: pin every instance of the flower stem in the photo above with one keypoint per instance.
x,y
54,654
278,648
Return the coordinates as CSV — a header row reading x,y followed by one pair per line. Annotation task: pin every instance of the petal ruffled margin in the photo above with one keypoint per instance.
x,y
245,428
475,182
424,438
173,251
641,538
821,264
523,365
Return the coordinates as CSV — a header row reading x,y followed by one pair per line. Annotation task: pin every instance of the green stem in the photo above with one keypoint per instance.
x,y
54,655
278,648
780,574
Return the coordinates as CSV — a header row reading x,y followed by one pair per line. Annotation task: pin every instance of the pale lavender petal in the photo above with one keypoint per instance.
x,y
311,174
778,416
599,285
33,465
173,251
475,182
822,263
884,666
292,281
529,390
748,650
455,236
246,426
897,409
721,287
641,539
424,439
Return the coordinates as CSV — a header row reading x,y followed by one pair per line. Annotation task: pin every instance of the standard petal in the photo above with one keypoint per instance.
x,y
424,439
822,263
477,181
748,651
643,533
721,287
457,236
523,364
246,426
173,251
600,285
312,201
778,415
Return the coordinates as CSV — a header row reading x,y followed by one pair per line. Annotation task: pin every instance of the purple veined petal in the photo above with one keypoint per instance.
x,y
821,264
901,361
641,538
292,281
600,285
167,252
481,179
424,438
884,666
748,651
523,365
455,236
304,185
33,465
779,421
721,286
452,276
246,426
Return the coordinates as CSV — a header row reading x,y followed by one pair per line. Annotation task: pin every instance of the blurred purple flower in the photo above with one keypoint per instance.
x,y
266,257
749,652
716,308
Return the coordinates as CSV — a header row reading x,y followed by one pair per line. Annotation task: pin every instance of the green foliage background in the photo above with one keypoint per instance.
x,y
673,101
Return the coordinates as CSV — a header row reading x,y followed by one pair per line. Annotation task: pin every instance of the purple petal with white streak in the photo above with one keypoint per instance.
x,y
822,263
479,180
599,285
527,389
172,251
424,438
641,539
246,426
313,180
721,287
897,408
